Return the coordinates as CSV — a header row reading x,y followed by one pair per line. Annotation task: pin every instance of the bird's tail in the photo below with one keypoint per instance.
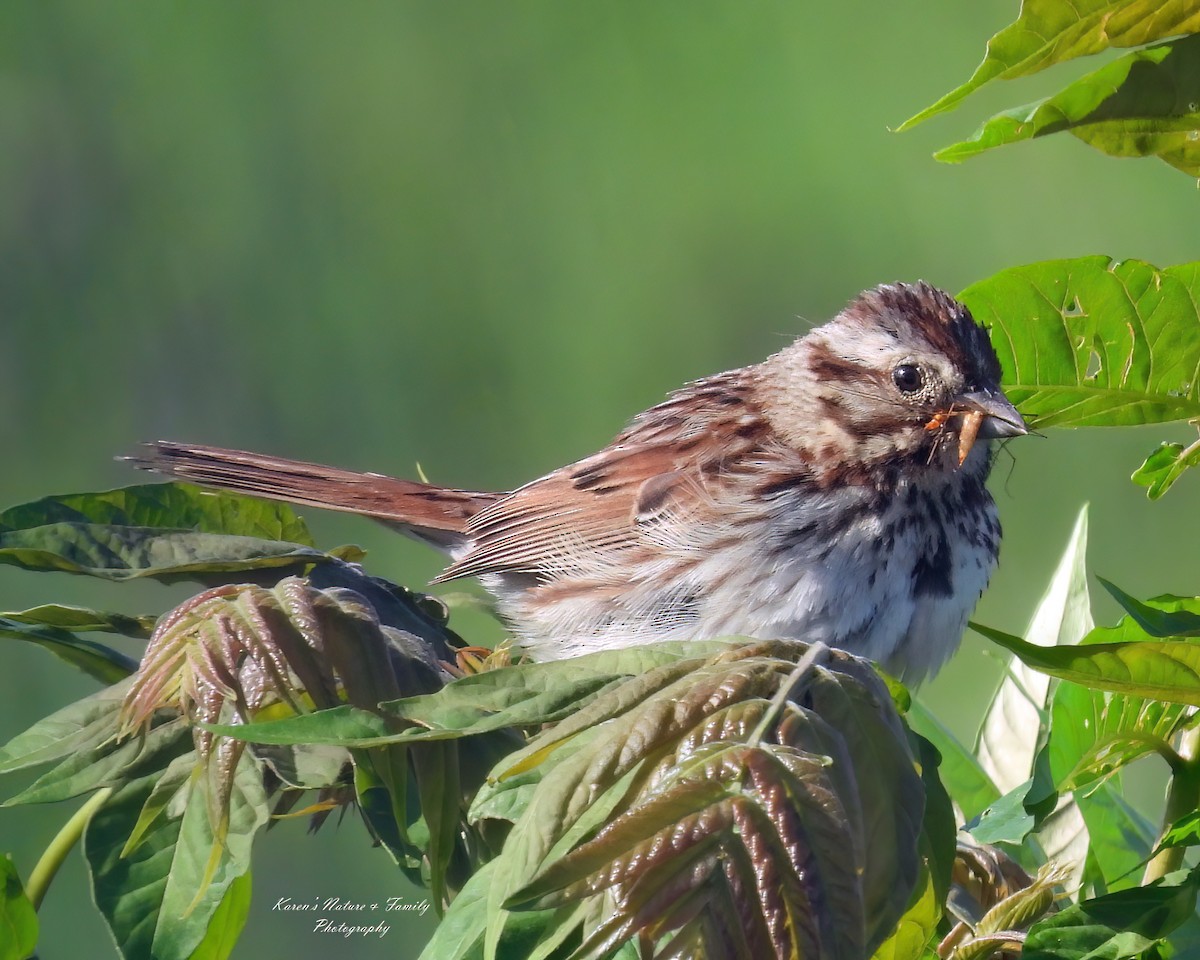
x,y
437,515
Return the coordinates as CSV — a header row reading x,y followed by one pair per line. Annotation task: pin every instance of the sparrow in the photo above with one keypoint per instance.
x,y
834,492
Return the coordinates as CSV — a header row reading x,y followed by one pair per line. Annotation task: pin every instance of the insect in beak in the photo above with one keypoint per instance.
x,y
986,414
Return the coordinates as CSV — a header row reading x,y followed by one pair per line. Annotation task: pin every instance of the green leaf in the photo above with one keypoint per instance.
x,y
1161,669
177,506
83,620
1145,104
81,725
1005,821
522,695
154,898
107,763
1120,839
1013,725
1165,616
916,927
1094,734
95,659
1184,832
18,919
1091,342
1051,31
125,553
1164,466
227,922
1117,926
967,782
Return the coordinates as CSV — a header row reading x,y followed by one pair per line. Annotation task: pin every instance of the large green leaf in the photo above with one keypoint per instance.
x,y
157,898
18,919
178,506
126,553
966,781
1119,925
1161,669
1091,342
166,531
1051,31
1120,839
1094,733
1146,104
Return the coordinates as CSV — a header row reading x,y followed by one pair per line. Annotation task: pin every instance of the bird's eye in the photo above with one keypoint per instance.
x,y
908,378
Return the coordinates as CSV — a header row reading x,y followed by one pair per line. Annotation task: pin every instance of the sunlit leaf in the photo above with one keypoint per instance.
x,y
1164,466
227,922
1094,733
1010,733
1162,669
1005,821
1159,669
1092,342
126,553
684,838
18,919
1051,31
1144,104
916,928
178,506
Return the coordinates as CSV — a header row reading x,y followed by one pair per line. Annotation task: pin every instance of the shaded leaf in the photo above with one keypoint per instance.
x,y
155,899
95,659
1120,838
966,781
83,620
1165,616
1051,31
1144,104
18,919
1164,466
1118,925
1092,342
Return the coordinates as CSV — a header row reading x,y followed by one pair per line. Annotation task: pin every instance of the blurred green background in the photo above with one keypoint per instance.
x,y
480,236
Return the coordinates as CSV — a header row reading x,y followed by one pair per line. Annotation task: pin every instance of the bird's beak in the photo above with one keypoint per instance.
x,y
1000,418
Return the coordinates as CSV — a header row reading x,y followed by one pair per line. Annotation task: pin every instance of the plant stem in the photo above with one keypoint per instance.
x,y
47,867
1183,796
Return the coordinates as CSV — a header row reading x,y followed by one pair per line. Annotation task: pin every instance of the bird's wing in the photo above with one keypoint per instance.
x,y
682,457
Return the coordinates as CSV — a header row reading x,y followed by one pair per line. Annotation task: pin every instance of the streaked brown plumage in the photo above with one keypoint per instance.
x,y
833,492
